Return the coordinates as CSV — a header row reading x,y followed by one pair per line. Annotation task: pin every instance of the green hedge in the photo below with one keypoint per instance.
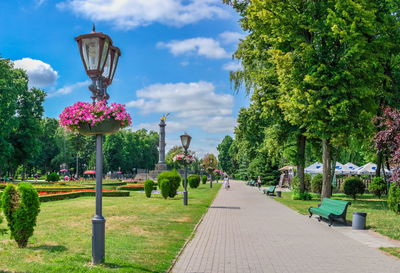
x,y
48,198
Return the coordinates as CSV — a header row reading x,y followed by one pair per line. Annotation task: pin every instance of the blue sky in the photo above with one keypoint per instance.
x,y
176,57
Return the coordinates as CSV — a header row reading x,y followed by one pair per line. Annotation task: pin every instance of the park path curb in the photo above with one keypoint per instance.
x,y
191,236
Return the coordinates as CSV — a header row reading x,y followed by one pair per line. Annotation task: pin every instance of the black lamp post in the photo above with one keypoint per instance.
x,y
100,59
185,140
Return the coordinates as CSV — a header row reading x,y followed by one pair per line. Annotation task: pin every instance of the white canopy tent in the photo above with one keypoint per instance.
x,y
318,167
315,168
369,168
353,167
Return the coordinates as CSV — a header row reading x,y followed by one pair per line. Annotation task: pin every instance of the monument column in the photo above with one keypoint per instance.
x,y
161,165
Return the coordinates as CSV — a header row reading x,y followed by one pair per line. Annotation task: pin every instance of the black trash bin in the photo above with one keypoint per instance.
x,y
359,219
279,193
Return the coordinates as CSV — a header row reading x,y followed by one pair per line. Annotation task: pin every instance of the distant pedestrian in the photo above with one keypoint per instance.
x,y
226,182
259,182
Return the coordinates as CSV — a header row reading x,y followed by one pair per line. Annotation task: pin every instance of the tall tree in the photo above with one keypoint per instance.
x,y
224,158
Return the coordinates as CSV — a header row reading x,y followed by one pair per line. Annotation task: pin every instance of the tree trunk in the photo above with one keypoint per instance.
x,y
301,152
327,174
379,164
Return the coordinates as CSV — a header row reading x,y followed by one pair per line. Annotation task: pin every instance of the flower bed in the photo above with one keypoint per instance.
x,y
61,188
132,187
54,196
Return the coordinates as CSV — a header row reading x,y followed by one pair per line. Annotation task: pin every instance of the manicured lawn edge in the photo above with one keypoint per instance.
x,y
191,236
392,251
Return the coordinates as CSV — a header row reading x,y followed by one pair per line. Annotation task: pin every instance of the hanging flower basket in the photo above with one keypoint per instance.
x,y
183,159
93,119
106,127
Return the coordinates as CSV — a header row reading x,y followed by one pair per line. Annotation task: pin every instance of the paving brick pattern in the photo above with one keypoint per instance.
x,y
246,231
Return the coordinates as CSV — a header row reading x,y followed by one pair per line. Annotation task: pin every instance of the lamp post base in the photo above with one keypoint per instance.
x,y
210,184
185,198
98,239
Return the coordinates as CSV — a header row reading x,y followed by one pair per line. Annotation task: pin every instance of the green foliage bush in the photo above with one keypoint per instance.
x,y
377,186
53,177
21,206
316,183
169,182
148,187
353,186
204,179
394,198
297,195
295,184
194,181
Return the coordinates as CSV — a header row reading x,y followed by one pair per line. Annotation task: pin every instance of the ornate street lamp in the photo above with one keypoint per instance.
x,y
185,140
100,60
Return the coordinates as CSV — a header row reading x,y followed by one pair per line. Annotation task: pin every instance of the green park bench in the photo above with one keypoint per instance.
x,y
330,209
270,190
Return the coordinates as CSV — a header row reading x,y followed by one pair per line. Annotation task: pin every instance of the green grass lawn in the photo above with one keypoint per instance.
x,y
142,235
379,217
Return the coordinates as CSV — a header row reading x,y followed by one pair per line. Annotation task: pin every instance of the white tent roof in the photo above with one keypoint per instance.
x,y
314,168
352,166
369,168
348,168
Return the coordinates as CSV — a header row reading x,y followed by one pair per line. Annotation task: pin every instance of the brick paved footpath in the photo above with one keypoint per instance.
x,y
246,231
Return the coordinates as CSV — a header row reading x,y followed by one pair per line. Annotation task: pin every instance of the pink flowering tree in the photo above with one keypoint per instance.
x,y
387,140
84,113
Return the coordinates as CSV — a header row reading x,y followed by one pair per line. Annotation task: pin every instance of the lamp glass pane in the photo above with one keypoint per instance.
x,y
104,53
114,65
90,52
107,66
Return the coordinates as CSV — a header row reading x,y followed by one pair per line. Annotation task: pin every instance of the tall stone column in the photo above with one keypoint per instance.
x,y
161,165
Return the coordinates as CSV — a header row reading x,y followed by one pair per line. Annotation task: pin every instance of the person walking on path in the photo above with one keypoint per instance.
x,y
259,182
226,182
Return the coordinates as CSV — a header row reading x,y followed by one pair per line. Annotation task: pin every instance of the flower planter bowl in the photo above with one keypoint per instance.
x,y
106,127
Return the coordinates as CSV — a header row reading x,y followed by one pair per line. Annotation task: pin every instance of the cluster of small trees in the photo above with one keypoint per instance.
x,y
316,82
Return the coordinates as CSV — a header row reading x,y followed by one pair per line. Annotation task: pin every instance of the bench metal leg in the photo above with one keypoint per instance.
x,y
330,221
320,219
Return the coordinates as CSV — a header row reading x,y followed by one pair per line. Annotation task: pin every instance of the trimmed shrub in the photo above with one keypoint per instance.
x,y
148,187
173,179
353,186
21,206
53,177
316,183
377,186
194,181
204,179
394,198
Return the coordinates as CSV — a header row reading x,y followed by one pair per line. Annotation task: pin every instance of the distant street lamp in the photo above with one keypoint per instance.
x,y
100,59
185,140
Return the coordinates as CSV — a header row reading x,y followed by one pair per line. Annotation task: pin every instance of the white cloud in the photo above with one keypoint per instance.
x,y
229,37
206,47
232,66
40,74
39,3
68,89
133,13
191,104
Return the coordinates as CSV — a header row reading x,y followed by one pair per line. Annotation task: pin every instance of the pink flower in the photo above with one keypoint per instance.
x,y
83,112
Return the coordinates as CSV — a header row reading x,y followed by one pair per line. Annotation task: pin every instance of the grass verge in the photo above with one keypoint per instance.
x,y
379,217
142,234
394,251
